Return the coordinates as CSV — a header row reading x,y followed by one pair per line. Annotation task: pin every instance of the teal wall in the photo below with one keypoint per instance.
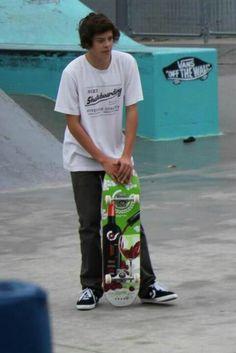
x,y
189,108
38,41
32,72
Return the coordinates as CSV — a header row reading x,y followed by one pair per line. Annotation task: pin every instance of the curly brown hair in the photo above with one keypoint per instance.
x,y
94,24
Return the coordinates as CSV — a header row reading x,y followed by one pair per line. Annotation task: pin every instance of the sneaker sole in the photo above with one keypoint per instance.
x,y
85,307
166,298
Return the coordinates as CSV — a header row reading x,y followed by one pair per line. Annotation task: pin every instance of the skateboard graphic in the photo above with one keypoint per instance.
x,y
121,240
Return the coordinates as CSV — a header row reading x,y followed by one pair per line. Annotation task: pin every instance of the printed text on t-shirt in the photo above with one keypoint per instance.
x,y
99,97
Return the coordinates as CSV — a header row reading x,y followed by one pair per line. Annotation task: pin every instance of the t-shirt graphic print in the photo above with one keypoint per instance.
x,y
103,100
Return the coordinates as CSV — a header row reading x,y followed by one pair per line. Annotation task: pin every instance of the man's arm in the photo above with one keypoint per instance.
x,y
125,162
110,165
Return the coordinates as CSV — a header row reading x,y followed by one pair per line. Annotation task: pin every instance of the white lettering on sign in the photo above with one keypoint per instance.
x,y
187,69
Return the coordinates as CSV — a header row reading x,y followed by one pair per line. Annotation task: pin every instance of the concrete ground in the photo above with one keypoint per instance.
x,y
189,213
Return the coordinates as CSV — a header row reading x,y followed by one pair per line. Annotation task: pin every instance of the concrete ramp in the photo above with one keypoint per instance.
x,y
46,24
41,108
30,156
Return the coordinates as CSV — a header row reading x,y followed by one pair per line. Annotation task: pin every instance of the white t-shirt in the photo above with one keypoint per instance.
x,y
98,96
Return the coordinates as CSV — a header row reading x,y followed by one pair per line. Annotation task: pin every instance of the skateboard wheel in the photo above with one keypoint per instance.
x,y
108,279
136,198
122,275
136,277
108,199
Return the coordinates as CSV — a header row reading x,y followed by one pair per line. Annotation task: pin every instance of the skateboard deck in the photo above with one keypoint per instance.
x,y
121,240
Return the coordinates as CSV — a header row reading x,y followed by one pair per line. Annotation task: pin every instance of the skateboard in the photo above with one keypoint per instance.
x,y
121,240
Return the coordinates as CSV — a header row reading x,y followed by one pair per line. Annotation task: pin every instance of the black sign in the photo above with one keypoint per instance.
x,y
187,69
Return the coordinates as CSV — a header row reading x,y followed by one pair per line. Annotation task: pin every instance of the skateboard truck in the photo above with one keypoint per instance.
x,y
122,277
135,198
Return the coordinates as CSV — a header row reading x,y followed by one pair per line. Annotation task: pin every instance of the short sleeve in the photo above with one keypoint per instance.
x,y
67,101
133,87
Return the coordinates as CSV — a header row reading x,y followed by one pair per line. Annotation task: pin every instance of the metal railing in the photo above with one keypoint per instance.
x,y
179,18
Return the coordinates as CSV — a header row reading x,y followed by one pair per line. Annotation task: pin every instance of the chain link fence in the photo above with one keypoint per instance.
x,y
180,18
165,17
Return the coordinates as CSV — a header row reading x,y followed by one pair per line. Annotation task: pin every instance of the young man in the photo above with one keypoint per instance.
x,y
93,89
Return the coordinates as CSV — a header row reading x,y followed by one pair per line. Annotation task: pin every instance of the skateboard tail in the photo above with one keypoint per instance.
x,y
121,297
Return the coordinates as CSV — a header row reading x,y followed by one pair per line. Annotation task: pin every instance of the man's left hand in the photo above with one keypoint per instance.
x,y
125,170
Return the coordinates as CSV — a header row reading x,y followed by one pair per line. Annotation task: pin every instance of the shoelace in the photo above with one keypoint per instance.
x,y
158,287
86,294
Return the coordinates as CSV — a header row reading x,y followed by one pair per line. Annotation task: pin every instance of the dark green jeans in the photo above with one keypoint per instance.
x,y
87,187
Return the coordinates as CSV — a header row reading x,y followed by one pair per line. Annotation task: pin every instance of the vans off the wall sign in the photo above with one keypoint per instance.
x,y
187,69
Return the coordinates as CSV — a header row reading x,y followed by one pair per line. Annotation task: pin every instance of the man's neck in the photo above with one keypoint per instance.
x,y
99,63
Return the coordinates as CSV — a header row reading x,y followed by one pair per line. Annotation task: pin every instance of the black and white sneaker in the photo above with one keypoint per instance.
x,y
158,294
87,300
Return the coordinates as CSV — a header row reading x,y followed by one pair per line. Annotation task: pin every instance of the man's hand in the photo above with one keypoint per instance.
x,y
125,170
111,167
